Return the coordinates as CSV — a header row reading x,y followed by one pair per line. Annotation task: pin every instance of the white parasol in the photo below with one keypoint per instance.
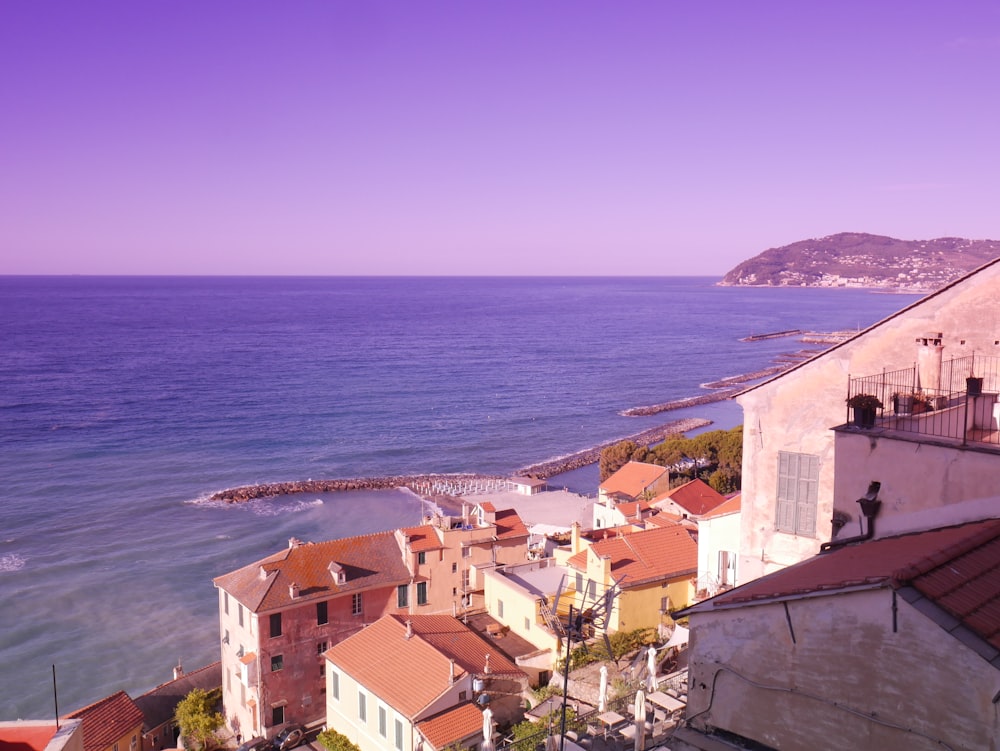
x,y
651,668
487,729
602,696
640,720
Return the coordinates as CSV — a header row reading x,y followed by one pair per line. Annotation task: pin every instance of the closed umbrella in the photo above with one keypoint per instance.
x,y
651,669
487,729
640,720
602,696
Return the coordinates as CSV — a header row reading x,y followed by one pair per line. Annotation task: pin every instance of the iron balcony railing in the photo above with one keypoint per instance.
x,y
963,407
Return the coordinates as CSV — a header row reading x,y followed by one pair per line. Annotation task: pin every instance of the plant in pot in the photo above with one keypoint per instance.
x,y
865,408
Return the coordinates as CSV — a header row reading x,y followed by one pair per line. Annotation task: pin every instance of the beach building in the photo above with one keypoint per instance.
x,y
278,615
528,485
446,554
930,438
112,724
886,643
41,735
636,481
409,682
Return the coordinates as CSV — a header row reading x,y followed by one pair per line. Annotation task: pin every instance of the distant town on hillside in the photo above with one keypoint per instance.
x,y
852,259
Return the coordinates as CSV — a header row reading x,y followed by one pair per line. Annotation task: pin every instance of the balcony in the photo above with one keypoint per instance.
x,y
962,409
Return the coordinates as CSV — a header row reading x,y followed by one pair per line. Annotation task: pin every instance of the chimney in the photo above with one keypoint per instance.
x,y
451,672
575,538
294,542
929,354
486,669
409,629
178,671
293,590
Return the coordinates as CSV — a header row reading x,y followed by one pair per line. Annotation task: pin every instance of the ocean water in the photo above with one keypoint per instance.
x,y
125,402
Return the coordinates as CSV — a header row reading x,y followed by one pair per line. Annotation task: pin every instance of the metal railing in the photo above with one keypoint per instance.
x,y
963,407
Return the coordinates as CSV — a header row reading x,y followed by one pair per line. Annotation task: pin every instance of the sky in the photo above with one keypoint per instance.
x,y
536,137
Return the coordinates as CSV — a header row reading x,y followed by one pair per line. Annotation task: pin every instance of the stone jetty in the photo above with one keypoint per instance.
x,y
450,485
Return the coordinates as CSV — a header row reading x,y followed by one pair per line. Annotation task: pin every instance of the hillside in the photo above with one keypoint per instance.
x,y
851,259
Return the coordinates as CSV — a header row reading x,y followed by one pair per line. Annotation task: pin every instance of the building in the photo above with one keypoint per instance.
x,y
278,616
718,543
445,555
692,500
112,724
886,643
529,485
41,735
636,481
158,705
796,491
410,682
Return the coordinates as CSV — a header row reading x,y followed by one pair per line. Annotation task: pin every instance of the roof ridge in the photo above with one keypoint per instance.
x,y
977,538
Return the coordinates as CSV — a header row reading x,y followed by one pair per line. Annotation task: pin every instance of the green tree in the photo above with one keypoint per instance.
x,y
616,456
334,741
198,717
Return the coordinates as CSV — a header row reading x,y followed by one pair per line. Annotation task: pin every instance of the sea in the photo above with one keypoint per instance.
x,y
125,402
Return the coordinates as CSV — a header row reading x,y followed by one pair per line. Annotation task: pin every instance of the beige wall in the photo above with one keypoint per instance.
x,y
519,611
846,676
717,534
795,412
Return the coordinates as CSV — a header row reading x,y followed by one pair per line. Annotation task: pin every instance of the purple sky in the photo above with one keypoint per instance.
x,y
468,137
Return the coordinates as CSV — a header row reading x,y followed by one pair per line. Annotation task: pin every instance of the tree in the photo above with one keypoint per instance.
x,y
616,456
717,453
198,718
334,741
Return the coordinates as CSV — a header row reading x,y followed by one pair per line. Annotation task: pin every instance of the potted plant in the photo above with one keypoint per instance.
x,y
865,407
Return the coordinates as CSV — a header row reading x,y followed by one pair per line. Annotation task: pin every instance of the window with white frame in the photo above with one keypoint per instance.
x,y
335,684
362,706
421,593
383,722
398,727
798,493
356,603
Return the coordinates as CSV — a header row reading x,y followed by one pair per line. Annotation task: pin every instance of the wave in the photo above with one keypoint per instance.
x,y
12,562
265,507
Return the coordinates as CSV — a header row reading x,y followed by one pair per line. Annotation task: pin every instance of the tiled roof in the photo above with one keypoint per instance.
x,y
410,673
957,568
108,721
650,555
422,538
367,560
158,705
731,506
487,507
603,533
453,725
633,478
509,525
27,736
633,509
696,497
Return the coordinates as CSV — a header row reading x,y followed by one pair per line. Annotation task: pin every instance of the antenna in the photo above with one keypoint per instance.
x,y
55,695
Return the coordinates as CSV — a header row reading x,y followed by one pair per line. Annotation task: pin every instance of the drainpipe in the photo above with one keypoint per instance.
x,y
869,507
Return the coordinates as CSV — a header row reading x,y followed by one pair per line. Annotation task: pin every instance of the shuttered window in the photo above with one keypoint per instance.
x,y
798,493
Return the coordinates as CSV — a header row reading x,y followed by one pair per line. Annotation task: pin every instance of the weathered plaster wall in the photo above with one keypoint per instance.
x,y
917,479
715,534
846,680
796,411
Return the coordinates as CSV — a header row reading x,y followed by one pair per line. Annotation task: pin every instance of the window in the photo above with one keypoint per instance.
x,y
421,558
383,723
321,647
362,706
465,580
356,604
421,593
322,669
402,595
225,602
499,608
277,663
467,552
277,715
454,568
399,735
461,695
335,684
664,604
798,493
275,624
322,616
527,624
240,612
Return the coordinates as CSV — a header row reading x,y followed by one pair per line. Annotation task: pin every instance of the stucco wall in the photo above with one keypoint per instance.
x,y
795,412
847,680
715,534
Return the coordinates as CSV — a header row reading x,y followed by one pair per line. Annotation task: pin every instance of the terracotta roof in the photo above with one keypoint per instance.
x,y
696,497
27,736
158,705
957,568
108,721
487,506
452,725
368,561
410,673
633,509
650,555
509,525
633,478
422,538
603,533
731,506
